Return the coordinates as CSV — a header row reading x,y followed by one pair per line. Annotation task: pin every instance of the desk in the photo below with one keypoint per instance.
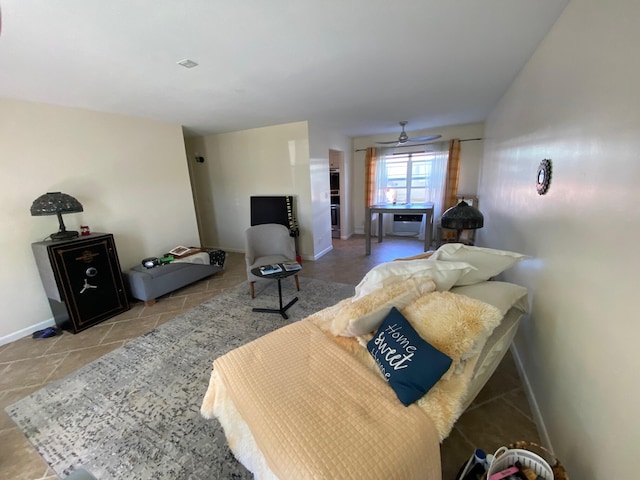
x,y
407,209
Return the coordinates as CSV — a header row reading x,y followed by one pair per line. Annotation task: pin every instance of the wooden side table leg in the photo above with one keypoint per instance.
x,y
367,232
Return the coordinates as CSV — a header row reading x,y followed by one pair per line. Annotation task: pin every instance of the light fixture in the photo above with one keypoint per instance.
x,y
462,217
57,203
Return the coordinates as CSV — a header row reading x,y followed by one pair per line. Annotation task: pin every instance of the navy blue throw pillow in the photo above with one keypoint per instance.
x,y
409,363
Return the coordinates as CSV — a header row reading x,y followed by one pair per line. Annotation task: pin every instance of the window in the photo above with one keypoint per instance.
x,y
409,178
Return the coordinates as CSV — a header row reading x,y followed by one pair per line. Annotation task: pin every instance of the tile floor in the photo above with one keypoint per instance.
x,y
499,415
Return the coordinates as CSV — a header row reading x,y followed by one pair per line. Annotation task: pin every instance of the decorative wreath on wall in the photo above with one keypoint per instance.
x,y
543,178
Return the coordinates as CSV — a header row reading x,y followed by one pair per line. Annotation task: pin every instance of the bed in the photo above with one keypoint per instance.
x,y
369,387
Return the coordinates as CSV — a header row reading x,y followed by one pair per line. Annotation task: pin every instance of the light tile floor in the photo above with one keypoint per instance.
x,y
499,415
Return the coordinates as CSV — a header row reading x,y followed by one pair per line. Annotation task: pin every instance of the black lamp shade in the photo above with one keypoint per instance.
x,y
462,217
53,203
57,203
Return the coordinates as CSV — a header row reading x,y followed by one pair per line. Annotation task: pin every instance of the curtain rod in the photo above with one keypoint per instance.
x,y
423,144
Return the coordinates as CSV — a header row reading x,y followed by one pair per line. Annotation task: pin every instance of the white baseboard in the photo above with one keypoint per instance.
x,y
533,404
233,250
316,257
25,332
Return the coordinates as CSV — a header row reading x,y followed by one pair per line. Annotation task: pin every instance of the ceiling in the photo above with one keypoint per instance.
x,y
356,66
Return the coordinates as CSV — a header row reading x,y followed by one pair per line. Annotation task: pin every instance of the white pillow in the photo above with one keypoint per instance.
x,y
488,262
367,314
444,274
502,295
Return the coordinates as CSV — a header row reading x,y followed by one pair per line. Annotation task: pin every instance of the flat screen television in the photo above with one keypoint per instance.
x,y
274,209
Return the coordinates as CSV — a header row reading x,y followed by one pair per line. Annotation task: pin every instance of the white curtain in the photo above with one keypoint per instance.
x,y
381,174
380,193
437,182
434,188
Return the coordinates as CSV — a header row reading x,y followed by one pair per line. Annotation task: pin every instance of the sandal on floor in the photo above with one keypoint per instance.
x,y
46,333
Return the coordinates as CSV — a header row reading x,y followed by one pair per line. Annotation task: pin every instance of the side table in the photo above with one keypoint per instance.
x,y
276,276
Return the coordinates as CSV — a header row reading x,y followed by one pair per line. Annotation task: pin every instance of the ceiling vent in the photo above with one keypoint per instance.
x,y
186,63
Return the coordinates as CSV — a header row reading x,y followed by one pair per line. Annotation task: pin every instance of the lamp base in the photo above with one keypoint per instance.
x,y
66,235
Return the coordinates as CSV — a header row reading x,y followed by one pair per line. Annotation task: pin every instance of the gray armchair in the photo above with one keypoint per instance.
x,y
265,244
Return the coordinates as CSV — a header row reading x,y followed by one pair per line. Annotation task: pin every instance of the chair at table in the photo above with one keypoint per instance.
x,y
266,244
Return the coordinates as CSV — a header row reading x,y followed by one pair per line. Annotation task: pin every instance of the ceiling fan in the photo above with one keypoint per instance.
x,y
404,138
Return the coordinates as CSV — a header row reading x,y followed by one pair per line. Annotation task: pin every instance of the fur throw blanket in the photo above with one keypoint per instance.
x,y
455,324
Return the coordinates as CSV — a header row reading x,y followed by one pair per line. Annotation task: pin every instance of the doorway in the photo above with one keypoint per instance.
x,y
336,191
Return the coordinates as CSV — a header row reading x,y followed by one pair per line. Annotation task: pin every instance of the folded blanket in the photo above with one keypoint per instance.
x,y
353,428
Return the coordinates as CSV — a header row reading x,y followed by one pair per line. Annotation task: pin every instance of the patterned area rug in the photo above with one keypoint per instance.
x,y
135,413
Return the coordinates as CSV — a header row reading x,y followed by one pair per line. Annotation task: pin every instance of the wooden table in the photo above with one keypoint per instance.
x,y
406,209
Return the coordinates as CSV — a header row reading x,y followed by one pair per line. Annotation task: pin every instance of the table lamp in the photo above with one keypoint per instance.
x,y
57,203
462,217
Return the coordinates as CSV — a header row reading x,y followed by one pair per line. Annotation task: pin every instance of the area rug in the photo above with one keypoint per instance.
x,y
134,413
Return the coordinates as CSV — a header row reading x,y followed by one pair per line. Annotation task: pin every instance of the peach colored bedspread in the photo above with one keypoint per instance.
x,y
325,416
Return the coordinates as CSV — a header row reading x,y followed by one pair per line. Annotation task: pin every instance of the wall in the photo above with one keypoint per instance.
x,y
238,165
321,140
129,174
576,103
470,161
289,159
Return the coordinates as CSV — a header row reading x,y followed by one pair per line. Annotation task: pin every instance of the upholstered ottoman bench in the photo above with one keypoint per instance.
x,y
147,284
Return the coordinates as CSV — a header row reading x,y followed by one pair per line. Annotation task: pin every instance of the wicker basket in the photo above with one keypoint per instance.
x,y
547,464
507,457
559,472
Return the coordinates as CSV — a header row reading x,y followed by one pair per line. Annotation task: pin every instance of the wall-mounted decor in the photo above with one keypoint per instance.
x,y
543,177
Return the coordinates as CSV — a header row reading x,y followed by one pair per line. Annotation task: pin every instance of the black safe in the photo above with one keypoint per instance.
x,y
82,280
